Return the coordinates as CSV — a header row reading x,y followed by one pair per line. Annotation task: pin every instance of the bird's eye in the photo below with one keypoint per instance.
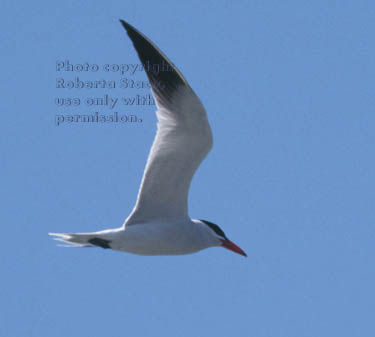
x,y
215,228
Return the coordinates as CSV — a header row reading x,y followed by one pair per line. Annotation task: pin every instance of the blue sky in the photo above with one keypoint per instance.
x,y
289,91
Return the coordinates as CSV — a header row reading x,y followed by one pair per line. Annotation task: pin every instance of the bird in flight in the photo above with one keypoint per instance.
x,y
159,223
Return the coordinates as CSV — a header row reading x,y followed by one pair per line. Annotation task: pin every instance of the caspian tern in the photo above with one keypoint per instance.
x,y
159,223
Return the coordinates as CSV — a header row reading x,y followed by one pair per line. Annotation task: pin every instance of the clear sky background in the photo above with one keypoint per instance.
x,y
289,91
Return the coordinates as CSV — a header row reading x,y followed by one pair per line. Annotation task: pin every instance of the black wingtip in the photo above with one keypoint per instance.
x,y
123,23
133,33
164,77
100,242
128,27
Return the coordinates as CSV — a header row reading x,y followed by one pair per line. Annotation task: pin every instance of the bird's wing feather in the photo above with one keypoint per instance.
x,y
182,140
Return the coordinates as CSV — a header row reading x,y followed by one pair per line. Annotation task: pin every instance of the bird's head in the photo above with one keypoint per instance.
x,y
223,240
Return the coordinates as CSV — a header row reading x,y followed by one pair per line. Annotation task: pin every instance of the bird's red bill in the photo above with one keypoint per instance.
x,y
233,247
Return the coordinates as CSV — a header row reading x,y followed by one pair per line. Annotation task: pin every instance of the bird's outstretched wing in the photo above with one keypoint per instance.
x,y
182,140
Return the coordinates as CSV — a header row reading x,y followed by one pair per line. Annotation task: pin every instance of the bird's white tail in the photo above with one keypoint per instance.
x,y
81,240
73,240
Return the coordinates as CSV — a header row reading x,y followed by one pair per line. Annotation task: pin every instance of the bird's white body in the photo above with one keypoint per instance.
x,y
164,237
159,223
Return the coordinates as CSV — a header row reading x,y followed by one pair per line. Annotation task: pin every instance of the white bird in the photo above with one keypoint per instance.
x,y
159,223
